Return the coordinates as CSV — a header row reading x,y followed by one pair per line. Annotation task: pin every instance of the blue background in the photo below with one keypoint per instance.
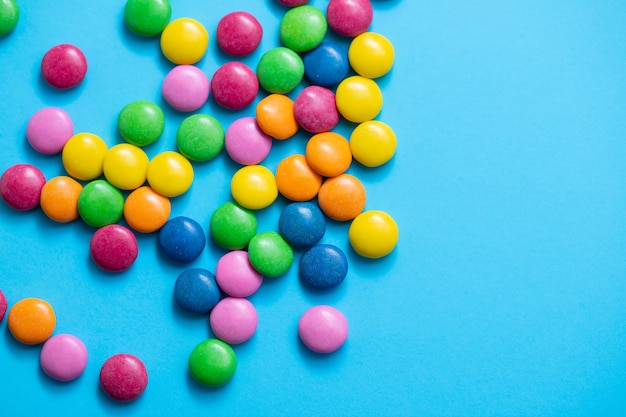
x,y
506,295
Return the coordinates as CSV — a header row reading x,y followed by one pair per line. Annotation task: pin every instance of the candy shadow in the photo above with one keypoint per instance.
x,y
385,4
140,45
54,96
321,363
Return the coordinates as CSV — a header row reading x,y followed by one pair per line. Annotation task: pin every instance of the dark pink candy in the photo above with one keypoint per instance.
x,y
20,186
64,66
293,3
114,248
3,305
123,377
315,109
239,33
234,85
349,17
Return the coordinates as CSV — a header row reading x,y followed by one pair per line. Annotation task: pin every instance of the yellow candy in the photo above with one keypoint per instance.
x,y
184,41
373,234
83,156
254,187
170,174
371,55
125,166
358,99
373,143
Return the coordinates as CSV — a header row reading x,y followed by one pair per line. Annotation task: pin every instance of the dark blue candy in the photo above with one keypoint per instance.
x,y
182,239
196,290
302,224
326,65
323,266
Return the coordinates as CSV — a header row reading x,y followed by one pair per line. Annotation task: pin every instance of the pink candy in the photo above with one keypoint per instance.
x,y
185,88
315,109
323,329
49,129
239,33
349,17
246,143
3,305
234,85
235,275
63,357
293,3
233,320
64,66
114,248
123,377
20,186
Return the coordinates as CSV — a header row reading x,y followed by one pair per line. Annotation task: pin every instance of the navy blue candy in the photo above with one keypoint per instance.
x,y
182,239
196,290
323,266
302,224
326,65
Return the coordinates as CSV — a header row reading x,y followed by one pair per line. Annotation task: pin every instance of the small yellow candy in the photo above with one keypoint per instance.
x,y
125,166
170,174
371,55
184,41
373,234
358,99
373,143
83,156
254,187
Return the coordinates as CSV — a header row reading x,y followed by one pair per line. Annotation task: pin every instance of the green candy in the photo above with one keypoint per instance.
x,y
200,137
100,204
232,226
212,362
147,17
280,70
303,28
141,122
270,254
9,15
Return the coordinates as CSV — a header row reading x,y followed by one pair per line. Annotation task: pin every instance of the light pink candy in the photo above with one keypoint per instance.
x,y
186,88
246,143
63,357
49,129
233,320
236,276
323,329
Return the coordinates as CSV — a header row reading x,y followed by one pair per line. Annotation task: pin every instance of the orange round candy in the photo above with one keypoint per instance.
x,y
31,321
328,153
275,116
145,210
296,180
59,198
342,197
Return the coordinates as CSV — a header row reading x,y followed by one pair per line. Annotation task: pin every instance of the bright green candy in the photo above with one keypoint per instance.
x,y
232,226
200,137
270,254
9,15
212,362
303,28
100,204
280,70
141,122
147,17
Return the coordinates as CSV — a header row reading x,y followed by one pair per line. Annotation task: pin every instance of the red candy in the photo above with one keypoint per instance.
x,y
64,66
123,377
3,305
293,3
234,85
315,109
239,33
113,248
20,186
349,17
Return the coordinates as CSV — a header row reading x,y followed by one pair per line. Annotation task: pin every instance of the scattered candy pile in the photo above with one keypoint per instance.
x,y
320,174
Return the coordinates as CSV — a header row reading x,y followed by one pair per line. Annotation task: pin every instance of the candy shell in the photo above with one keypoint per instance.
x,y
49,129
196,290
232,226
234,320
113,248
234,85
212,363
323,266
302,224
64,66
63,357
236,276
270,254
123,377
184,41
246,143
31,321
323,329
238,33
373,234
182,239
21,185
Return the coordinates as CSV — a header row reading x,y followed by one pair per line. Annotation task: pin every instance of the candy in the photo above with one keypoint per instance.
x,y
113,248
232,226
302,224
64,66
147,17
236,276
327,64
349,17
212,362
9,16
83,156
293,3
323,329
373,234
3,305
373,143
145,210
196,291
200,137
328,154
315,109
31,321
254,187
182,239
184,41
270,254
63,357
246,143
100,204
280,70
185,88
358,99
141,122
234,320
342,197
234,85
169,173
20,186
59,199
49,129
323,266
123,377
274,115
239,33
125,166
296,180
371,55
303,28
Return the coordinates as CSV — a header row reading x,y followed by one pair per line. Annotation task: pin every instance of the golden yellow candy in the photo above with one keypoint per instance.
x,y
83,156
373,143
373,234
184,41
358,99
125,166
170,174
371,55
254,187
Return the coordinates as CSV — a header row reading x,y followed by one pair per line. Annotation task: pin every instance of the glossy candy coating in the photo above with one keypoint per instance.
x,y
328,153
246,143
275,117
296,180
323,266
83,156
234,320
182,239
196,290
358,99
3,305
342,197
49,129
31,321
373,234
170,174
303,28
349,17
238,33
145,210
185,88
113,248
327,64
20,186
123,377
254,187
184,41
302,224
280,70
125,166
323,329
64,66
9,16
200,137
270,254
100,204
63,357
141,122
212,362
373,143
315,109
234,85
147,17
236,276
59,198
371,55
232,226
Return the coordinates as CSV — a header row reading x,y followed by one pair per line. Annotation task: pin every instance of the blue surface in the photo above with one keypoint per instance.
x,y
505,295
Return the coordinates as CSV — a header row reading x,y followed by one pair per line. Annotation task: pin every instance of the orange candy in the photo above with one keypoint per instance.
x,y
145,210
31,321
59,198
296,180
275,116
342,197
328,153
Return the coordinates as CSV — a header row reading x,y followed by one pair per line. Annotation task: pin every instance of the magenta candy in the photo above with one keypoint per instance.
x,y
20,186
349,17
234,85
49,129
236,276
63,357
239,33
185,88
233,320
64,66
3,305
293,3
246,143
323,329
315,109
123,377
113,248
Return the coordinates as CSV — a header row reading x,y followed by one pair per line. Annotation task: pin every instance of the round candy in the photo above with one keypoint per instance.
x,y
327,64
323,329
234,320
147,17
371,55
123,377
274,115
59,198
323,266
141,122
145,210
349,17
303,28
234,85
3,305
239,33
20,186
169,173
236,276
373,143
9,16
293,3
63,357
280,70
302,224
100,204
64,66
373,234
49,129
328,154
358,99
125,166
232,226
200,137
31,321
296,180
212,362
315,109
185,88
270,254
113,248
254,187
246,143
196,291
184,41
83,156
342,197
182,239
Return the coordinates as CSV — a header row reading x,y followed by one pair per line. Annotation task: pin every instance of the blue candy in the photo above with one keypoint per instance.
x,y
326,65
302,224
182,239
196,290
323,266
